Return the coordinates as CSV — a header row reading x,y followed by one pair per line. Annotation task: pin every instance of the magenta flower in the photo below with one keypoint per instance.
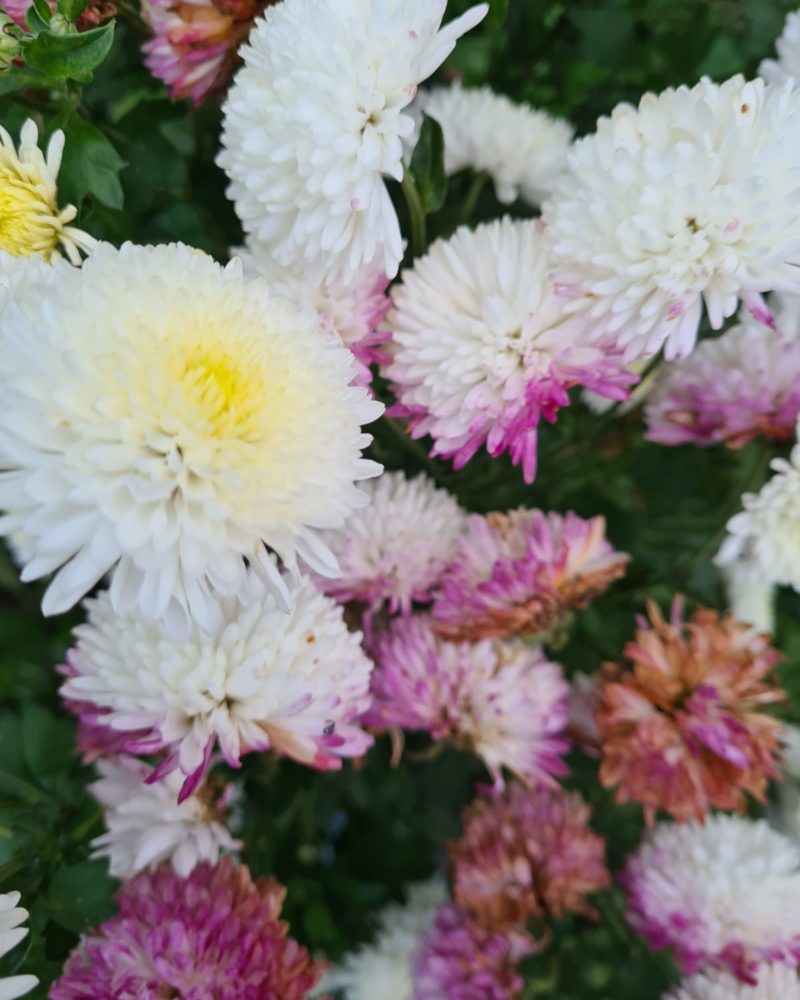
x,y
213,934
501,700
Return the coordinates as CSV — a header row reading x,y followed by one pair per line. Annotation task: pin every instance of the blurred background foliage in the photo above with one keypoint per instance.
x,y
142,168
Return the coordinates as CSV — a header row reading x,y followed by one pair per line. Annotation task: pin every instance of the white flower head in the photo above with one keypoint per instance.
x,y
383,970
264,679
147,826
523,150
775,982
163,420
751,599
687,200
787,47
11,933
315,120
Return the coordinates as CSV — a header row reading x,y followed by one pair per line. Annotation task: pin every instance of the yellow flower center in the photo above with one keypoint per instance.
x,y
29,220
222,391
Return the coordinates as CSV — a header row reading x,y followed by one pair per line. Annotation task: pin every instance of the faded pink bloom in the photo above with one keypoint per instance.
x,y
460,960
519,573
215,934
501,700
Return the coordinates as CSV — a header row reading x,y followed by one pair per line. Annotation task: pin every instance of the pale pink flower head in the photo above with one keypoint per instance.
x,y
215,934
501,700
724,893
519,573
740,386
461,960
682,723
527,855
195,42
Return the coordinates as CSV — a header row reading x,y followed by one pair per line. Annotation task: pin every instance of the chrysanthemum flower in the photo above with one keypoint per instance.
x,y
751,598
682,724
394,551
482,349
11,933
724,893
195,43
687,199
525,855
351,309
502,701
315,121
520,572
787,48
766,532
180,421
147,827
32,221
743,385
461,960
523,150
215,933
775,982
265,679
382,970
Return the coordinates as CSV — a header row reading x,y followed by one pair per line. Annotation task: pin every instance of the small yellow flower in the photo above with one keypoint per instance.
x,y
30,219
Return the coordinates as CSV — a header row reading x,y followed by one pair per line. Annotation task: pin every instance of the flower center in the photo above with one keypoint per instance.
x,y
26,218
223,393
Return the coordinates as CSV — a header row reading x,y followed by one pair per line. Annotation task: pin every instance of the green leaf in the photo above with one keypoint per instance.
x,y
38,16
427,166
80,896
90,166
19,79
71,9
47,741
74,56
498,12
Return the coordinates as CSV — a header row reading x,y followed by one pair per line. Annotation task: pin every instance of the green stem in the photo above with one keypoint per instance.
x,y
474,193
414,448
419,233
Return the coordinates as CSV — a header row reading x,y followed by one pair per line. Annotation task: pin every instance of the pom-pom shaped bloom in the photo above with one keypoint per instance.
x,y
147,827
682,724
194,44
394,551
502,701
482,348
766,533
461,960
11,933
523,150
775,982
740,386
32,221
525,855
687,199
382,970
213,934
723,893
520,572
787,48
315,120
295,682
179,421
351,309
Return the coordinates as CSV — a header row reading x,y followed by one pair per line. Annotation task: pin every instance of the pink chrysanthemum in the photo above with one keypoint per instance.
x,y
213,934
195,43
460,960
743,385
682,725
503,701
520,572
725,893
527,855
95,12
483,349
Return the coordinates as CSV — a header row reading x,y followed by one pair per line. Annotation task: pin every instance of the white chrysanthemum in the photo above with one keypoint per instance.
x,y
294,682
147,826
32,221
724,893
751,600
382,970
688,199
766,532
482,348
775,982
787,48
395,549
315,121
160,418
11,916
523,150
